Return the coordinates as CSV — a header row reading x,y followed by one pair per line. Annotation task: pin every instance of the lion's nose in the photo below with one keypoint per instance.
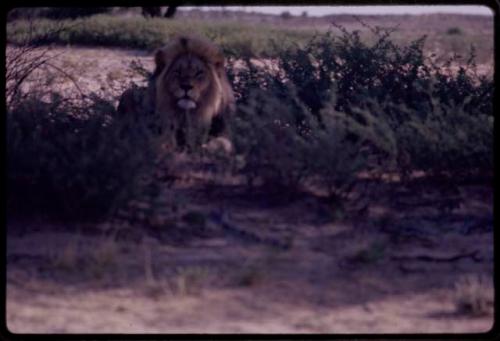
x,y
186,87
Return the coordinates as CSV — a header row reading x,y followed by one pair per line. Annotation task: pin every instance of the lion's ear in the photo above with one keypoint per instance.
x,y
159,62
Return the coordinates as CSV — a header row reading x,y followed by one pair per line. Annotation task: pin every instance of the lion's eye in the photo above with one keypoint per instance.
x,y
177,73
199,74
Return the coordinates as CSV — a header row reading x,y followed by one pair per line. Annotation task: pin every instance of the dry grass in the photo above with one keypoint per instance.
x,y
191,280
90,260
474,295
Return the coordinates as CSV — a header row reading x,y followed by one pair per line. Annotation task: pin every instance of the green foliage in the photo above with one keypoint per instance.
x,y
338,105
381,71
463,87
285,147
448,139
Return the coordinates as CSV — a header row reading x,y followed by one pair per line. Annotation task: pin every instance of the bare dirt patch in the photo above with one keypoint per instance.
x,y
71,71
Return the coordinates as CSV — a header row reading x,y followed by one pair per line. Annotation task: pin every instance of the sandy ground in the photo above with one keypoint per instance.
x,y
393,270
72,71
349,276
127,310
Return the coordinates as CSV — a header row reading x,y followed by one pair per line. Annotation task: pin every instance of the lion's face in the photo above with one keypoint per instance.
x,y
188,80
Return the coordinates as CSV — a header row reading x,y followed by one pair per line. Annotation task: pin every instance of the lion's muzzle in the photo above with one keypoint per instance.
x,y
186,103
185,98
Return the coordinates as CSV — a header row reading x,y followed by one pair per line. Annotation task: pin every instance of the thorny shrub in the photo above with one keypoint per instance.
x,y
71,156
316,115
337,106
68,165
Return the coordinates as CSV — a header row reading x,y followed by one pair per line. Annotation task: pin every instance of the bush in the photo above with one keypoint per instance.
x,y
383,71
73,162
74,157
316,115
449,140
286,148
378,107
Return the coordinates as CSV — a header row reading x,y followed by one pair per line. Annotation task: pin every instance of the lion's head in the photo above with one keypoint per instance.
x,y
191,84
188,90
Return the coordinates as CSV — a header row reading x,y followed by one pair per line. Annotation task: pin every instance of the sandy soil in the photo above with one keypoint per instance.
x,y
73,71
391,269
357,275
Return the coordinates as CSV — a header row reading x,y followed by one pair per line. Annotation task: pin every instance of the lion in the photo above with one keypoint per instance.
x,y
189,90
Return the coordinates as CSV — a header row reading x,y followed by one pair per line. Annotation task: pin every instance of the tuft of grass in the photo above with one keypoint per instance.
x,y
93,261
474,295
102,260
67,259
104,257
191,280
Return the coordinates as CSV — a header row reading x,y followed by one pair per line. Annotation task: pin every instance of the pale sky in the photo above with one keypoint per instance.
x,y
325,10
